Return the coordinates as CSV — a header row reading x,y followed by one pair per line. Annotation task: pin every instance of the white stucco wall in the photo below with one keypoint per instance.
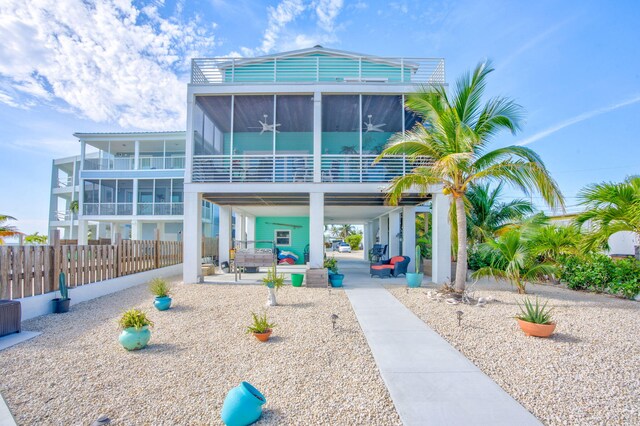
x,y
623,243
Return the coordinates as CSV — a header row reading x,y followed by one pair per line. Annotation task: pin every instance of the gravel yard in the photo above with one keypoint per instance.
x,y
310,374
587,373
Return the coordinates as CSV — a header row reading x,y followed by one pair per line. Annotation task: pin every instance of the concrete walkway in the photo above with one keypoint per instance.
x,y
430,382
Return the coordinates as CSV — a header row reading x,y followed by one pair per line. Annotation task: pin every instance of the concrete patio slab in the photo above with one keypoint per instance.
x,y
6,418
15,338
429,381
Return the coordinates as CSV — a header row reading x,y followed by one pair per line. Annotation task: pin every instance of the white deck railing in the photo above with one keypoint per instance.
x,y
311,69
338,168
128,163
253,168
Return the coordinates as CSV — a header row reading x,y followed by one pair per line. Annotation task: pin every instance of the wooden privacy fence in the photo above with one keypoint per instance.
x,y
32,270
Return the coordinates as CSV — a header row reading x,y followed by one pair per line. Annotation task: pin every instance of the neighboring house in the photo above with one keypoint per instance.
x,y
126,183
285,144
620,244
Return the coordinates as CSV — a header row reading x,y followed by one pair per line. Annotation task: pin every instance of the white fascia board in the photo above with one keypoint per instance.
x,y
129,218
301,88
66,160
144,136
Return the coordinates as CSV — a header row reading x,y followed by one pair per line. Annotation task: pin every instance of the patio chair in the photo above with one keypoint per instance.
x,y
395,267
378,252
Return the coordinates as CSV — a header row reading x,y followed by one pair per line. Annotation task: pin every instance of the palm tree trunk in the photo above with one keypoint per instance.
x,y
461,268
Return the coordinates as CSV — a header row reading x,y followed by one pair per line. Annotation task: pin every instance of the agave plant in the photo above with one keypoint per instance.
x,y
535,313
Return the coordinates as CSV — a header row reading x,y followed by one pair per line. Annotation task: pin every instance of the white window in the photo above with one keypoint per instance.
x,y
282,237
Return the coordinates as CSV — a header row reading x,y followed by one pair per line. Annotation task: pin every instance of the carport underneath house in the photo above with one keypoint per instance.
x,y
262,211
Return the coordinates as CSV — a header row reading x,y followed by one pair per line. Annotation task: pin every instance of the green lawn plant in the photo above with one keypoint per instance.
x,y
159,287
134,318
535,313
455,132
260,324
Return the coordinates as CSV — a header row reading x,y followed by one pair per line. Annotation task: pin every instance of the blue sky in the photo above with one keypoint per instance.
x,y
69,65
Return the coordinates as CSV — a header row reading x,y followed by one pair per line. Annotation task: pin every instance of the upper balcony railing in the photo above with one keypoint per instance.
x,y
337,168
313,69
128,163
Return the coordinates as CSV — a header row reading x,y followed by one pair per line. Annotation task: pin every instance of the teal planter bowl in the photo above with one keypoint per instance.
x,y
132,339
414,280
242,406
162,303
336,280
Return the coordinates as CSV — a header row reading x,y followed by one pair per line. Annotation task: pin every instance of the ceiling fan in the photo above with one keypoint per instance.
x,y
265,126
370,127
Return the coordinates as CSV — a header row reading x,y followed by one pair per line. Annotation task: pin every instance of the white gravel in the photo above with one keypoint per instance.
x,y
310,374
587,373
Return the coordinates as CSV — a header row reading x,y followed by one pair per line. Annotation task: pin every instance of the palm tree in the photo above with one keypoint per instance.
x,y
551,242
611,207
455,135
7,230
344,231
512,259
487,215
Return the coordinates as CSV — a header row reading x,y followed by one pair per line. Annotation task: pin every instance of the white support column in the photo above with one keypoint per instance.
x,y
83,151
136,155
82,232
441,239
251,228
100,230
394,231
366,240
192,238
188,172
384,230
135,197
409,235
136,231
240,227
317,137
224,235
316,229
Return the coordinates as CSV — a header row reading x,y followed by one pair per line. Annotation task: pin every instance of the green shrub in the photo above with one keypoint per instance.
x,y
331,263
478,259
626,278
425,247
598,272
354,241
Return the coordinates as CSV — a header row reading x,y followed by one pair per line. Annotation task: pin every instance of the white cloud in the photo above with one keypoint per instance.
x,y
328,11
278,37
577,119
107,60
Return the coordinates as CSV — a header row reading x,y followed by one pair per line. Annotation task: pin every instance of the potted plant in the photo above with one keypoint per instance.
x,y
135,330
160,289
273,281
535,319
61,304
261,327
414,279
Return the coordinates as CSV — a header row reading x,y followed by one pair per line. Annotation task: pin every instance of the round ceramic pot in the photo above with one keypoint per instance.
x,y
296,280
414,280
242,406
537,330
336,280
263,337
132,339
162,303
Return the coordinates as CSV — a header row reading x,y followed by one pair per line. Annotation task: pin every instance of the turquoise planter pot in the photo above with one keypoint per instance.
x,y
162,303
414,280
242,406
132,339
336,280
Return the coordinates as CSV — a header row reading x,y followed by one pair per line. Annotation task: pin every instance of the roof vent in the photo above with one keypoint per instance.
x,y
317,46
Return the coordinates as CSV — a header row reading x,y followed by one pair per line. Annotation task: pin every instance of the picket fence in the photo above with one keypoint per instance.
x,y
33,270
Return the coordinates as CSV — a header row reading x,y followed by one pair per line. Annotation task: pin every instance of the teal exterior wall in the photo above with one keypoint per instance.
x,y
265,229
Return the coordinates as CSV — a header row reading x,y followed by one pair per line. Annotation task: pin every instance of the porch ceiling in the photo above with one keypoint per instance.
x,y
302,199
